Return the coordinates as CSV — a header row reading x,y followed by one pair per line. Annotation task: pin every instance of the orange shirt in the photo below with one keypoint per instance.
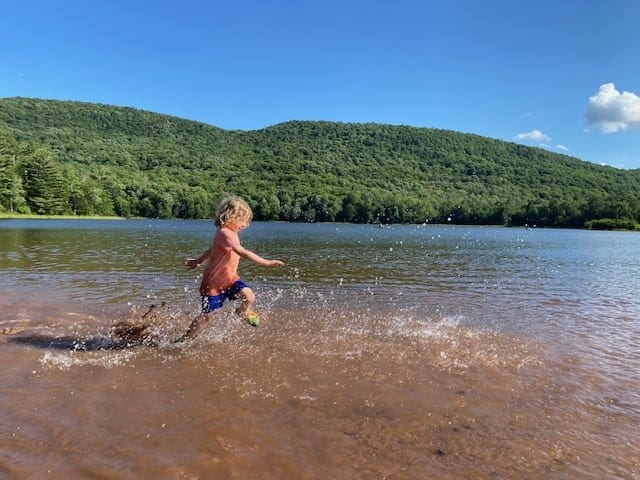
x,y
221,269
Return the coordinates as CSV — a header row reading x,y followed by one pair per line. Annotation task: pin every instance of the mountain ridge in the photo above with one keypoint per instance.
x,y
141,163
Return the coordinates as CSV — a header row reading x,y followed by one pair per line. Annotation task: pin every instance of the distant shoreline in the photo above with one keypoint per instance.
x,y
31,216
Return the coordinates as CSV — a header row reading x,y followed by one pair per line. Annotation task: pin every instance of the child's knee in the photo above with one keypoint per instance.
x,y
248,295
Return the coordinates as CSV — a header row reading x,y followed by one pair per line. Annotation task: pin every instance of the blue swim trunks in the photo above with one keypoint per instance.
x,y
214,302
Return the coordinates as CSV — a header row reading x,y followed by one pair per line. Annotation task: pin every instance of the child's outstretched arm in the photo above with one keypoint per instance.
x,y
193,263
255,258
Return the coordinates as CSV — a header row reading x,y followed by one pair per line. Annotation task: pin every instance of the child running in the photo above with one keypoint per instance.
x,y
220,280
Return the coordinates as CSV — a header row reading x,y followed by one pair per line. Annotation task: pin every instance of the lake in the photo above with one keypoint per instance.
x,y
407,352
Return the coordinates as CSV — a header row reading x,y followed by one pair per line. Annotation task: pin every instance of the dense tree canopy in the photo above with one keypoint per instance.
x,y
81,158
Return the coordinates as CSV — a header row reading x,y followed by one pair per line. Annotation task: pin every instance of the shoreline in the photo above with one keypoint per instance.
x,y
32,216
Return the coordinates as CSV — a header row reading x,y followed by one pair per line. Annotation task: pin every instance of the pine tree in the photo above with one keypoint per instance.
x,y
44,184
11,194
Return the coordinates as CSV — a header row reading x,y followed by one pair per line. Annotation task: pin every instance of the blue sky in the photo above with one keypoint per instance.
x,y
562,74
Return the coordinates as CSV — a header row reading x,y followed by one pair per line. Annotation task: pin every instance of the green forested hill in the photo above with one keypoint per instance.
x,y
82,158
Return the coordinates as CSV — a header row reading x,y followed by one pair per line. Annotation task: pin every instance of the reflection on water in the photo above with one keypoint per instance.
x,y
409,352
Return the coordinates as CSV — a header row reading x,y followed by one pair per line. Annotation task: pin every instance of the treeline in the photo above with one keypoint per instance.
x,y
87,159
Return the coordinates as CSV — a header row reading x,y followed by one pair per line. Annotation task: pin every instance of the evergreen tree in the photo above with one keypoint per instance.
x,y
11,193
44,183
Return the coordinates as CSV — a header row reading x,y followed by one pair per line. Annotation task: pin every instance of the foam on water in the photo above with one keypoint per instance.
x,y
445,342
67,360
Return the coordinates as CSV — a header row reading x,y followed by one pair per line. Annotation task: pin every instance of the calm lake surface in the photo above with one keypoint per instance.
x,y
408,352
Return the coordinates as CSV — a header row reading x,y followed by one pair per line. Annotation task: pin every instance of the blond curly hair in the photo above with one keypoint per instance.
x,y
232,209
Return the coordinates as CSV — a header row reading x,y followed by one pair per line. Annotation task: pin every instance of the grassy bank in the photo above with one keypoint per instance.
x,y
22,216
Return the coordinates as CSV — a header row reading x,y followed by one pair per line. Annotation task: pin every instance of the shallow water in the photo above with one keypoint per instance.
x,y
400,353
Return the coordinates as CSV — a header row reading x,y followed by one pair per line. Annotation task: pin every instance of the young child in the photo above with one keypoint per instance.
x,y
220,280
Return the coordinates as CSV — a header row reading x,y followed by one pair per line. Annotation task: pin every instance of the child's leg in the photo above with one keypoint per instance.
x,y
198,324
247,297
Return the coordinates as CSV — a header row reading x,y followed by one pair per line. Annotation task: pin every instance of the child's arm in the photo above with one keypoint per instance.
x,y
255,258
193,263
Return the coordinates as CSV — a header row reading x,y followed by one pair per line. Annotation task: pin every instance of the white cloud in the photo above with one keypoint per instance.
x,y
611,110
534,136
